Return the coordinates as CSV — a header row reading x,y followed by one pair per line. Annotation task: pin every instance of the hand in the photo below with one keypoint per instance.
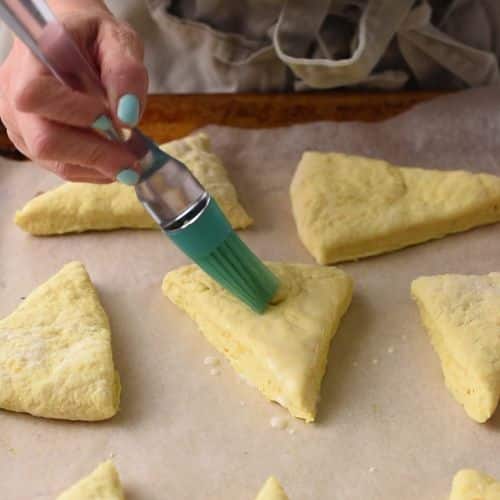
x,y
50,123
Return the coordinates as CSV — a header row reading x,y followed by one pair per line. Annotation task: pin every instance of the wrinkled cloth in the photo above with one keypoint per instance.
x,y
272,45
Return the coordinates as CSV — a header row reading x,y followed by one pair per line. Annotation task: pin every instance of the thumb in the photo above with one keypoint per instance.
x,y
123,74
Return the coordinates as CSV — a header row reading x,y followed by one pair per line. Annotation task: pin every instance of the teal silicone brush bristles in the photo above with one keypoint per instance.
x,y
211,242
236,268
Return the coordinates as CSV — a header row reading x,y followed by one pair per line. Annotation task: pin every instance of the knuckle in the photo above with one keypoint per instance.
x,y
63,170
93,155
43,144
134,40
24,96
126,37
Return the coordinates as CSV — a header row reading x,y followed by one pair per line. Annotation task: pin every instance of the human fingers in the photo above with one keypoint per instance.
x,y
53,142
120,54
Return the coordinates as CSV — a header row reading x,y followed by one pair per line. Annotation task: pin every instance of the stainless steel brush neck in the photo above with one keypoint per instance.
x,y
170,193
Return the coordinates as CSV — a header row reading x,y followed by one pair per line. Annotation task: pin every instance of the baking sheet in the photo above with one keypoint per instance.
x,y
387,429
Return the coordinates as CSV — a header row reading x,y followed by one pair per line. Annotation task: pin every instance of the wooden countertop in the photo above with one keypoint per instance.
x,y
169,117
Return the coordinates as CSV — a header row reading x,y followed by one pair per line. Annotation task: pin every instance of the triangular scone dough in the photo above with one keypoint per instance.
x,y
102,484
272,490
77,207
462,316
55,352
196,153
347,207
282,352
469,484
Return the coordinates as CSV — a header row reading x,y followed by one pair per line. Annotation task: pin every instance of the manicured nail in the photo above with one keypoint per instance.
x,y
102,123
128,176
128,109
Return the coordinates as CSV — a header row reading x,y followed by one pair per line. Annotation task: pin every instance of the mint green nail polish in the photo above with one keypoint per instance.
x,y
102,123
128,176
128,109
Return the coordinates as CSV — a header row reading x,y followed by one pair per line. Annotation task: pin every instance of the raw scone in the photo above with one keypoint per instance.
x,y
196,153
77,207
462,316
347,207
471,484
272,490
102,484
55,352
282,352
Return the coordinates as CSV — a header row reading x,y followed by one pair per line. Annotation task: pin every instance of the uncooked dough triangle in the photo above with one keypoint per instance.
x,y
347,207
272,490
462,316
469,484
102,484
282,352
55,352
77,207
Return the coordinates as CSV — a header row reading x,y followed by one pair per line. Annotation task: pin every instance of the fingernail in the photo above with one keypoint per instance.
x,y
128,176
102,123
128,109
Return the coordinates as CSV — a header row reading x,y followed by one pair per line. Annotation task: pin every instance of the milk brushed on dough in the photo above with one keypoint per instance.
x,y
77,207
272,490
55,352
282,352
462,316
102,484
469,484
347,207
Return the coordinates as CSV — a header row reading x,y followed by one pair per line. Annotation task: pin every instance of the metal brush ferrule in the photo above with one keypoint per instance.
x,y
169,192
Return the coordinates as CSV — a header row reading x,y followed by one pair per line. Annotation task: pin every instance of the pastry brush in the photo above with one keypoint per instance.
x,y
174,198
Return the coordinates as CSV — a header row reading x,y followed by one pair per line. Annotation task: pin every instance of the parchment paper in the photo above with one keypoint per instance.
x,y
386,429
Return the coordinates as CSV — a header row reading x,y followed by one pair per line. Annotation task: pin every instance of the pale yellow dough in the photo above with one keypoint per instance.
x,y
102,484
347,207
282,352
462,316
77,207
55,352
471,484
196,153
272,490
